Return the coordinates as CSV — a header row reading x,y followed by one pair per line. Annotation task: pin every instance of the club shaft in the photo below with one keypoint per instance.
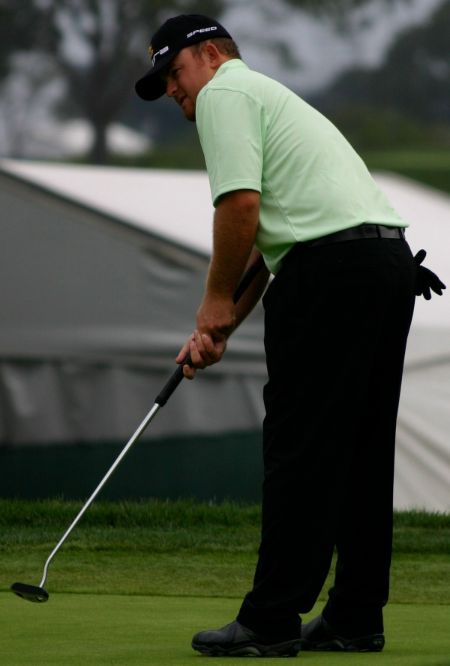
x,y
89,501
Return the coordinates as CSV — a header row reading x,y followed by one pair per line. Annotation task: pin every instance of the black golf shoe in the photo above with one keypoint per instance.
x,y
320,636
236,640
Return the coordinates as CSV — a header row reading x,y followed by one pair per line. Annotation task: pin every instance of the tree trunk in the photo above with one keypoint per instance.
x,y
98,153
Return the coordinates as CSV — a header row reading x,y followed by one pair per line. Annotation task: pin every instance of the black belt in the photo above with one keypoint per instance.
x,y
357,233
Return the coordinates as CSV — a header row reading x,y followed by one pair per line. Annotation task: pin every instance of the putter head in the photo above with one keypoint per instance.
x,y
30,592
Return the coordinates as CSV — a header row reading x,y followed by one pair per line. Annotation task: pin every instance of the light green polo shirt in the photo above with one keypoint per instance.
x,y
257,134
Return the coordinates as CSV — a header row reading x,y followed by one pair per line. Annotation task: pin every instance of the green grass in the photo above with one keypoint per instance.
x,y
186,548
74,630
135,580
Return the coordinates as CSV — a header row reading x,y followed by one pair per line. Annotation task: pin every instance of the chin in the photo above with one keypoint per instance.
x,y
189,114
188,110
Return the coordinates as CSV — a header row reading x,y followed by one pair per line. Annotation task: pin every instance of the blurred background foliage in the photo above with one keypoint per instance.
x,y
71,65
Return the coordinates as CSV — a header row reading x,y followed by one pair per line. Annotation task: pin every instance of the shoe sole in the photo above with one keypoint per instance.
x,y
376,644
288,649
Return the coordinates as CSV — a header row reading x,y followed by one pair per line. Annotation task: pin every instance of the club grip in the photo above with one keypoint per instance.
x,y
172,383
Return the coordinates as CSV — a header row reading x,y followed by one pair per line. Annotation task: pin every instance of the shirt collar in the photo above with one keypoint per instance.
x,y
234,63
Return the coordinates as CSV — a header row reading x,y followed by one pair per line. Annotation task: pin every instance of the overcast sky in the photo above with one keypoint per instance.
x,y
321,51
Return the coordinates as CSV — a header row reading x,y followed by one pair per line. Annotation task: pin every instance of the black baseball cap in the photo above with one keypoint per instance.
x,y
174,35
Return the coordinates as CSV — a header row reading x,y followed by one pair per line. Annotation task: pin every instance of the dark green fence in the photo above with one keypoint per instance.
x,y
205,468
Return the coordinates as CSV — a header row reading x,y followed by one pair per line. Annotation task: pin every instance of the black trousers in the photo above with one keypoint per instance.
x,y
337,319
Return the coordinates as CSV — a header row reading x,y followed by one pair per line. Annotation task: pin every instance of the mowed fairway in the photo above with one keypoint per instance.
x,y
84,629
135,581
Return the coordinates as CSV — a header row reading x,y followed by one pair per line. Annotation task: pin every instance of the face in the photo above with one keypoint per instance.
x,y
187,74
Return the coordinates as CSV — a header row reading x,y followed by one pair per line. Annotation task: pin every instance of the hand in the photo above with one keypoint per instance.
x,y
216,319
426,279
202,351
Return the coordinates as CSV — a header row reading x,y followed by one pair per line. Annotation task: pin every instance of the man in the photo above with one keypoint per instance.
x,y
286,185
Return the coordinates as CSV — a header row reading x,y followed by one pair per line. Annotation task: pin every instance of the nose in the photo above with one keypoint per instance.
x,y
171,87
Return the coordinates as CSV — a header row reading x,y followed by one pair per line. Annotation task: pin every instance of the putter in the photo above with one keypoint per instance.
x,y
37,593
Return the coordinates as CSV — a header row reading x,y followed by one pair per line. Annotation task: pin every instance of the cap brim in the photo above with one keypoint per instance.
x,y
152,86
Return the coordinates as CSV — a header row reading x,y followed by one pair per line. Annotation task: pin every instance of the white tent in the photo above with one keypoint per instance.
x,y
423,436
108,266
105,270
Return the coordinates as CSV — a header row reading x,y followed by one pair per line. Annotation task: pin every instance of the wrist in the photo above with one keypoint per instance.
x,y
216,316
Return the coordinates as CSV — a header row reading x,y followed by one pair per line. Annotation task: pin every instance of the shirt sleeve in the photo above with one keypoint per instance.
x,y
230,127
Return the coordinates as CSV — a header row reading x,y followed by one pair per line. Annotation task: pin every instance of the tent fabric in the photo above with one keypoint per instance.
x,y
95,313
103,269
71,402
174,204
423,431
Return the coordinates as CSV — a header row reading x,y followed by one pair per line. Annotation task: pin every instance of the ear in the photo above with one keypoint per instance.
x,y
213,56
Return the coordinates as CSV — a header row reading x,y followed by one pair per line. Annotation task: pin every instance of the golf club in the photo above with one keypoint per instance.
x,y
37,593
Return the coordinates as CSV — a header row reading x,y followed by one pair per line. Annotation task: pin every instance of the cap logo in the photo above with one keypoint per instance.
x,y
159,53
195,32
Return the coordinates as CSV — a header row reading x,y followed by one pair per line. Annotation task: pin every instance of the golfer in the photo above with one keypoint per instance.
x,y
287,185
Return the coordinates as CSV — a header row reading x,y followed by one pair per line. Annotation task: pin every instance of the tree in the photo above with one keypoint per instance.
x,y
413,80
340,11
99,47
415,77
17,27
404,102
22,78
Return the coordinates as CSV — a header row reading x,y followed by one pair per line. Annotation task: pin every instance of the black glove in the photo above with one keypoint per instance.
x,y
426,279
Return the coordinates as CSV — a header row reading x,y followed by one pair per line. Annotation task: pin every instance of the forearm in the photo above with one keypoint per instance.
x,y
235,225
